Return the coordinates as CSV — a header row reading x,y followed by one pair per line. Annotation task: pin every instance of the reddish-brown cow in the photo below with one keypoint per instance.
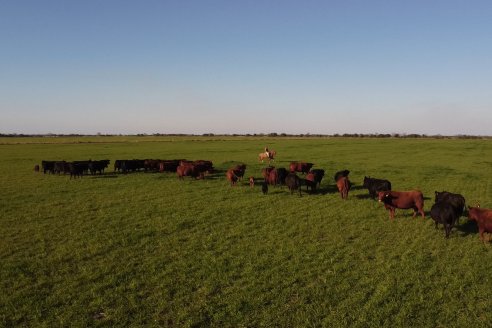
x,y
265,172
343,185
232,177
402,199
483,216
302,167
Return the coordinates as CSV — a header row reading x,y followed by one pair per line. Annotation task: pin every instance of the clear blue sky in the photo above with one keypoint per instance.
x,y
246,66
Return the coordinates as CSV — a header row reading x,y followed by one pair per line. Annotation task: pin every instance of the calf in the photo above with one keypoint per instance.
x,y
293,183
376,185
251,182
36,168
445,214
483,217
404,200
343,185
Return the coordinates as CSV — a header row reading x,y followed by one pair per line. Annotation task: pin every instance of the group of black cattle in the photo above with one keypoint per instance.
x,y
446,210
75,168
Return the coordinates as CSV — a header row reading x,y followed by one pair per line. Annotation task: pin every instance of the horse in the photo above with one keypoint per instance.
x,y
270,156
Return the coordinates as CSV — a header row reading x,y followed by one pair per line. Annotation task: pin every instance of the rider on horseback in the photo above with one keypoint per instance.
x,y
267,152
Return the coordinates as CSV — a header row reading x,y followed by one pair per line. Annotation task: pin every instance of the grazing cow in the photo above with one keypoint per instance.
x,y
251,182
404,200
343,185
48,166
36,168
457,201
232,177
445,214
341,174
264,187
375,185
293,182
301,167
483,217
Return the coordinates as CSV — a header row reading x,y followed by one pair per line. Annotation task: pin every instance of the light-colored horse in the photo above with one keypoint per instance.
x,y
270,156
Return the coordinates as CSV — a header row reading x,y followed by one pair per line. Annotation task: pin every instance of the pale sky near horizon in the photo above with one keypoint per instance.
x,y
246,67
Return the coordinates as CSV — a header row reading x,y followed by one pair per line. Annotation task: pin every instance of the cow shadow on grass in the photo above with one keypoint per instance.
x,y
365,196
105,176
467,228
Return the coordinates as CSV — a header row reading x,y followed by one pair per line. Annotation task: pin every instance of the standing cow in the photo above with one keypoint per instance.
x,y
293,182
483,217
343,185
444,214
402,199
376,185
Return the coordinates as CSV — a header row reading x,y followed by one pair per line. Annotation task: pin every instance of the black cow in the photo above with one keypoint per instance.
x,y
376,185
47,166
60,167
457,201
293,182
281,175
76,169
444,214
318,175
98,166
341,174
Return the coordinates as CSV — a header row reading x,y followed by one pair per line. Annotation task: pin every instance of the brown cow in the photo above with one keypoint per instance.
x,y
483,216
232,177
190,170
265,172
343,185
402,199
310,181
302,167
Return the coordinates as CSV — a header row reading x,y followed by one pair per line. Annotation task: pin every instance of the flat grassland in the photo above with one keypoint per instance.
x,y
148,249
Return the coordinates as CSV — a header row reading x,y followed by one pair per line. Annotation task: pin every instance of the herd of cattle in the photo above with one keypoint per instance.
x,y
446,210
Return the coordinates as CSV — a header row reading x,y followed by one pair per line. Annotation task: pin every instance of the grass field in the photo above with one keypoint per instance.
x,y
147,249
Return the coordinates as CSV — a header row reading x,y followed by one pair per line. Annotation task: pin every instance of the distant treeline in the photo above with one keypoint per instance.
x,y
272,134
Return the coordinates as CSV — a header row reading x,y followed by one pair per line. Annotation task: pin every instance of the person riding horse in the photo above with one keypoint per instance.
x,y
267,152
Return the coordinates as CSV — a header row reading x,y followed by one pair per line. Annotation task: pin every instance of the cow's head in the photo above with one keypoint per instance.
x,y
383,195
365,183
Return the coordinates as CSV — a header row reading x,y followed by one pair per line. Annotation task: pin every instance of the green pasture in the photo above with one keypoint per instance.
x,y
145,249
